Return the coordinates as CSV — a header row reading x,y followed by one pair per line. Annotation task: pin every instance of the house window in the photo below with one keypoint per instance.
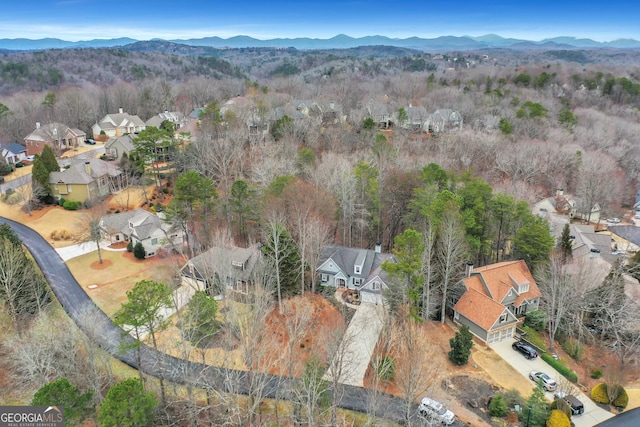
x,y
357,281
523,288
503,318
324,277
237,264
358,269
376,286
154,241
69,188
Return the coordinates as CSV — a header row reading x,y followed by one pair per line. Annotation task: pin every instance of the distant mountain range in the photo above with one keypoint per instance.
x,y
341,41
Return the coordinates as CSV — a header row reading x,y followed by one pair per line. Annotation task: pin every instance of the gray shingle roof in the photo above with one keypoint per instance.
x,y
223,261
346,258
78,174
126,141
144,223
628,232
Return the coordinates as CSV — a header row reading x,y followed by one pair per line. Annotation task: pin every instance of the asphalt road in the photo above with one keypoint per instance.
x,y
110,337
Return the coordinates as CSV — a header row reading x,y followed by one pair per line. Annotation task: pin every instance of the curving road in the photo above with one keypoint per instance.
x,y
110,337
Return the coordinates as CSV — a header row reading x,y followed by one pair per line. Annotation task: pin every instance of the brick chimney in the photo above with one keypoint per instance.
x,y
120,110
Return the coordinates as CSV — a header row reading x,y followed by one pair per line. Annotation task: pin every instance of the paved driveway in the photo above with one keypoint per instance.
x,y
593,414
359,341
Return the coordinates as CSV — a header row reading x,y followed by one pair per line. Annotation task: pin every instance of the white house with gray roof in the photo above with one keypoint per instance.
x,y
353,268
118,124
141,226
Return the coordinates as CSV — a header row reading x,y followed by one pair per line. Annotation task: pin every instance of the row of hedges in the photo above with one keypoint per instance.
x,y
558,366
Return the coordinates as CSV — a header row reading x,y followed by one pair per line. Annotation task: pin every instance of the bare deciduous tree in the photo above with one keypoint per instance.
x,y
450,252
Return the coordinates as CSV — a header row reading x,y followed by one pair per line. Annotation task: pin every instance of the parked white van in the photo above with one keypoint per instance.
x,y
429,408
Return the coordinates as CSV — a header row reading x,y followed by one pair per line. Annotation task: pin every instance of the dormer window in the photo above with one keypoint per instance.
x,y
503,318
523,288
358,269
237,264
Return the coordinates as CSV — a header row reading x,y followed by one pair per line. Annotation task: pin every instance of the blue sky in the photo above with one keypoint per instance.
x,y
146,19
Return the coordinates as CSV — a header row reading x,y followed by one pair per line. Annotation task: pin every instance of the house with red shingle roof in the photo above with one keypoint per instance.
x,y
490,299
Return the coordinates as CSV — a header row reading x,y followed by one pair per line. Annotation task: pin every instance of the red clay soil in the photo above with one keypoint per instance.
x,y
105,264
324,319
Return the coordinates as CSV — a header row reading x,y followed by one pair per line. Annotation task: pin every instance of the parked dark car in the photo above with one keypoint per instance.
x,y
91,141
524,348
577,408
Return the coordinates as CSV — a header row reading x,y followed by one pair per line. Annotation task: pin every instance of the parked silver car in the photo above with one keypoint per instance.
x,y
545,380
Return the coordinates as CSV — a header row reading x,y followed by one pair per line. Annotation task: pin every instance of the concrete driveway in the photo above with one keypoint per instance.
x,y
358,343
69,252
593,414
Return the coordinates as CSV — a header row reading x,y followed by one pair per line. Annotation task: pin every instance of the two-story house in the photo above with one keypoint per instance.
x,y
353,268
177,118
152,231
220,269
57,135
86,180
444,120
490,299
119,124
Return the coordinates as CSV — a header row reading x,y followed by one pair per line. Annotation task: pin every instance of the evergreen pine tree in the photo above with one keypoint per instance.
x,y
138,251
566,244
461,346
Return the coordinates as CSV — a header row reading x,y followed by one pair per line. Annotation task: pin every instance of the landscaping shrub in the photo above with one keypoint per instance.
x,y
622,400
498,406
558,419
60,235
558,366
537,320
534,338
71,206
561,405
386,369
165,190
130,246
596,374
599,393
61,201
138,251
513,397
573,348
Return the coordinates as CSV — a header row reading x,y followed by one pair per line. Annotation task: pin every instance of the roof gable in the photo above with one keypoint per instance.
x,y
479,308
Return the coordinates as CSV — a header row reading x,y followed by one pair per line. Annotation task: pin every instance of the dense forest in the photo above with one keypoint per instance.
x,y
532,122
